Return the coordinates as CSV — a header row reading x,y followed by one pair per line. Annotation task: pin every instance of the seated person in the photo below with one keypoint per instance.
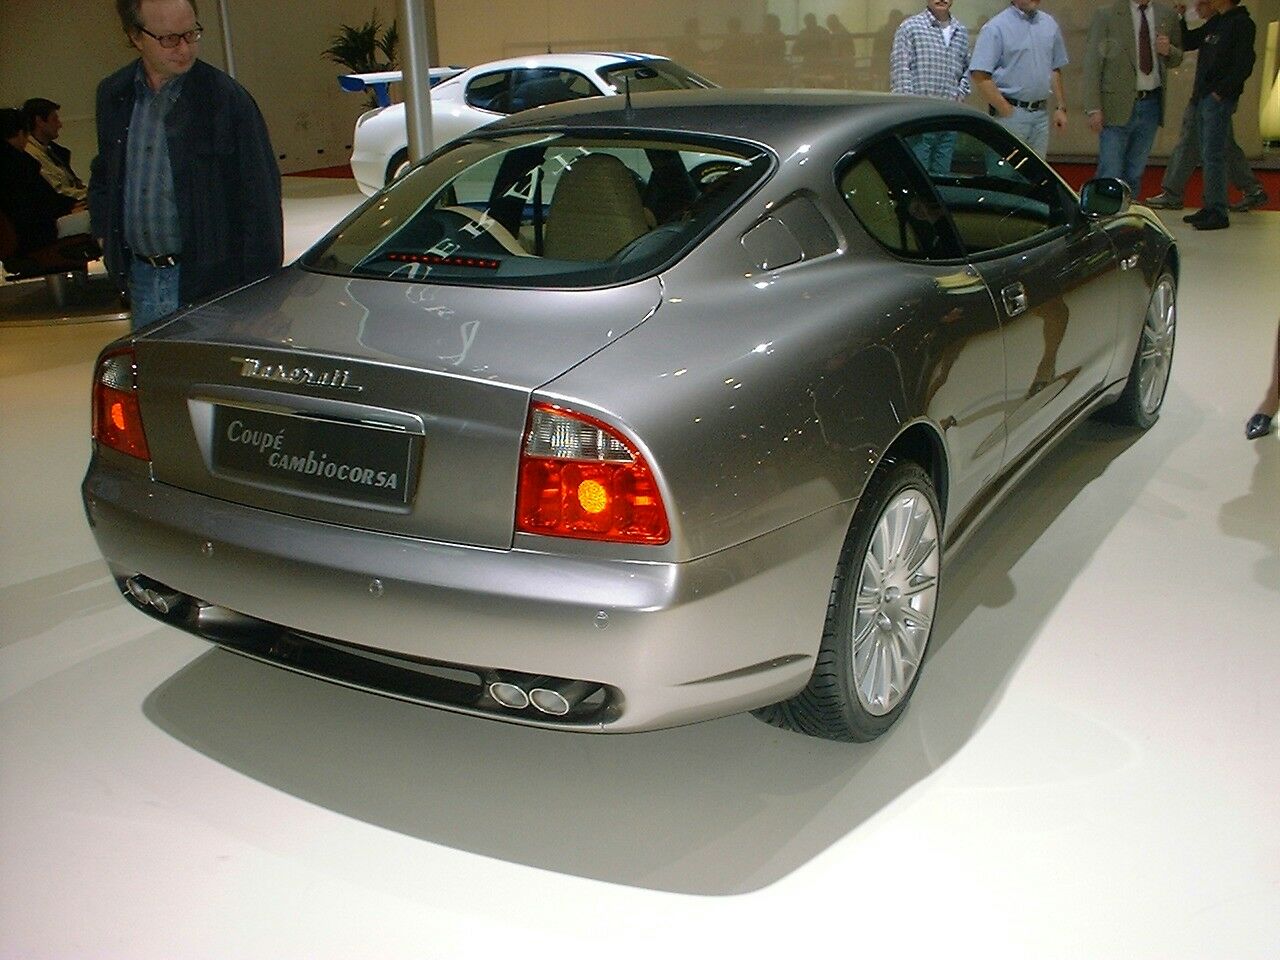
x,y
43,126
26,198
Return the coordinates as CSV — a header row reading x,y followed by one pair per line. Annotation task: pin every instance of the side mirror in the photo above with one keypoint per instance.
x,y
1104,197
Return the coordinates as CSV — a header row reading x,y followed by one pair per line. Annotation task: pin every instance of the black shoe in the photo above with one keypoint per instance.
x,y
1259,425
1195,217
1248,202
1163,201
1214,221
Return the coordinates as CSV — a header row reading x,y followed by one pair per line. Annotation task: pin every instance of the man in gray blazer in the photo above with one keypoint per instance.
x,y
1126,63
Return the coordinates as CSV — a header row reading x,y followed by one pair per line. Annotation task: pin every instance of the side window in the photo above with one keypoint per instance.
x,y
492,91
894,207
997,191
539,86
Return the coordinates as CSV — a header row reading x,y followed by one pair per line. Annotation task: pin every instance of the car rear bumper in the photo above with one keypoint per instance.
x,y
670,643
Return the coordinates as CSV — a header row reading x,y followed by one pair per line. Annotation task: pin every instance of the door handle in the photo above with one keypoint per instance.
x,y
1015,299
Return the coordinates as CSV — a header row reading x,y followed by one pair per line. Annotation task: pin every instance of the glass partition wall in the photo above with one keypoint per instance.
x,y
800,43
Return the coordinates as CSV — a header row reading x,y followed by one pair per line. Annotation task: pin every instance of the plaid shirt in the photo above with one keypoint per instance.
x,y
923,63
151,224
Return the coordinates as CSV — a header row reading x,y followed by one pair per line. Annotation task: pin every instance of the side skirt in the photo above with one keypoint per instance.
x,y
995,492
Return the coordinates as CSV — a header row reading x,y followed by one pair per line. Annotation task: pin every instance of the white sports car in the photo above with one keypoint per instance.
x,y
493,90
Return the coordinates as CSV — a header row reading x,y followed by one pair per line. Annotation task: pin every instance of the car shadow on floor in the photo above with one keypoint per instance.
x,y
718,808
42,604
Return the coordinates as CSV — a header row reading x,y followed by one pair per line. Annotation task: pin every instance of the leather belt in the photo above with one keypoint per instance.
x,y
162,260
1147,94
1028,104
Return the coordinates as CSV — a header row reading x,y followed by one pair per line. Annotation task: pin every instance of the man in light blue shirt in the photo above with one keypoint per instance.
x,y
1017,63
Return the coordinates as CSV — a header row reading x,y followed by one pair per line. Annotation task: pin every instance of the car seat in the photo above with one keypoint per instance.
x,y
596,210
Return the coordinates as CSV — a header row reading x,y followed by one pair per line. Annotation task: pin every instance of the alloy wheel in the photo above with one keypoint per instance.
x,y
894,602
1158,331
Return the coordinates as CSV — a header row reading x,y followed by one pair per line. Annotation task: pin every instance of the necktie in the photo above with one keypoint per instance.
x,y
1144,40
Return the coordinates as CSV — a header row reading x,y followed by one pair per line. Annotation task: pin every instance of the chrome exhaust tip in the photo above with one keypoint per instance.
x,y
510,695
511,690
558,697
164,601
148,593
137,590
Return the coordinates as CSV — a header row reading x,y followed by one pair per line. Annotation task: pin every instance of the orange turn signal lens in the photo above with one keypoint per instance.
x,y
117,420
593,497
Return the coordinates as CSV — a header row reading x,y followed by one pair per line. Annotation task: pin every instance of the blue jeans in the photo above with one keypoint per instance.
x,y
1031,125
1215,133
1186,157
153,292
1123,150
934,151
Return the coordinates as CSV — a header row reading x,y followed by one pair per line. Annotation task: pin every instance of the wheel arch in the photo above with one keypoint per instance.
x,y
397,158
1174,261
921,443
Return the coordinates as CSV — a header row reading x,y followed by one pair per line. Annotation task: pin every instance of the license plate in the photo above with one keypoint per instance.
x,y
348,461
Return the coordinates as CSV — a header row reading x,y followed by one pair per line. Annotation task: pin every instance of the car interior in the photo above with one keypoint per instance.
x,y
593,211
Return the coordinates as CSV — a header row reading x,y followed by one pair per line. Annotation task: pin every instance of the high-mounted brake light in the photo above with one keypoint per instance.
x,y
581,478
117,421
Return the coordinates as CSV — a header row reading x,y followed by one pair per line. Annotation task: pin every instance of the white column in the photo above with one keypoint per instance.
x,y
415,61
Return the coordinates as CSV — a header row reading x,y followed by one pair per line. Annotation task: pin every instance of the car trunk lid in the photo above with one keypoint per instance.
x,y
390,406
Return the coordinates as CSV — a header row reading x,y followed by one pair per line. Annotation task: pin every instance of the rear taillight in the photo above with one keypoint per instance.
x,y
117,421
581,478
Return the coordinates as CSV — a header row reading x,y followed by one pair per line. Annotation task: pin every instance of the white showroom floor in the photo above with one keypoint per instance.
x,y
1090,768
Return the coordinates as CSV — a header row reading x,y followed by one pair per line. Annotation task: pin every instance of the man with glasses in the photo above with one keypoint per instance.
x,y
185,190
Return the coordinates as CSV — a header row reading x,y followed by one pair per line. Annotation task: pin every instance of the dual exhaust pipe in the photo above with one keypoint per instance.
x,y
149,593
545,694
549,695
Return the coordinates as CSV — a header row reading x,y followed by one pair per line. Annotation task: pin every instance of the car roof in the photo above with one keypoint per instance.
x,y
579,61
784,120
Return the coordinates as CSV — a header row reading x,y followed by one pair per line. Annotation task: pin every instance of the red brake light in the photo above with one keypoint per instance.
x,y
581,478
117,421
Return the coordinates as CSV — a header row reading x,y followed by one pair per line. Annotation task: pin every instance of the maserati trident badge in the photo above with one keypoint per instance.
x,y
332,377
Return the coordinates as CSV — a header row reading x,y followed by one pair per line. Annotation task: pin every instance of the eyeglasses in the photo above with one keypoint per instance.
x,y
170,40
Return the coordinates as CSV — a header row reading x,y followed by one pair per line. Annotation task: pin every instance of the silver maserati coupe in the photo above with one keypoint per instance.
x,y
632,412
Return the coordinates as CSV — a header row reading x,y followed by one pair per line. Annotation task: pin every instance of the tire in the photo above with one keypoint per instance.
x,y
1139,405
852,694
397,166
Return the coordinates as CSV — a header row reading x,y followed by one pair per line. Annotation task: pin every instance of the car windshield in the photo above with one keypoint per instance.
x,y
652,75
545,209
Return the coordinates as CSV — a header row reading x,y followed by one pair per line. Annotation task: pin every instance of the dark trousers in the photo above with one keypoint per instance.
x,y
1186,157
1215,132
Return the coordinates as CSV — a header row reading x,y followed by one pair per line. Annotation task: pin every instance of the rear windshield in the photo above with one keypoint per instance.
x,y
650,76
544,209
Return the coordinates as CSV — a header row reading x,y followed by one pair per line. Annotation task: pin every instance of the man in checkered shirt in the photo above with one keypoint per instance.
x,y
930,58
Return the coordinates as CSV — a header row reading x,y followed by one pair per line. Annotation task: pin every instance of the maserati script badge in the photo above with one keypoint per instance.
x,y
255,369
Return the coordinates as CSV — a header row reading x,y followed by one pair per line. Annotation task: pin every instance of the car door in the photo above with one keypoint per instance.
x,y
1051,272
952,354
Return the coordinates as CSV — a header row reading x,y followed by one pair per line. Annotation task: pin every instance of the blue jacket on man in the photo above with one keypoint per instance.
x,y
225,178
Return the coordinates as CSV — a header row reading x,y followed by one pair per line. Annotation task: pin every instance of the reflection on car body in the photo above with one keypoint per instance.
x,y
687,403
